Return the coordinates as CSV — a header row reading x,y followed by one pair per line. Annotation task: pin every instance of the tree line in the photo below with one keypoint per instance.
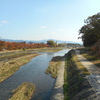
x,y
90,33
22,45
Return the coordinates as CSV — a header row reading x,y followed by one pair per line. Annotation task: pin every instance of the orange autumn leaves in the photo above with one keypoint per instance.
x,y
21,45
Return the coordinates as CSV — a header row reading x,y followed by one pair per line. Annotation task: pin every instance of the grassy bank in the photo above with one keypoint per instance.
x,y
23,92
9,55
7,68
12,60
54,65
50,49
94,58
17,53
74,76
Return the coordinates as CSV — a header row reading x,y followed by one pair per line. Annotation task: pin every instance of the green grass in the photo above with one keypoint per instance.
x,y
74,74
65,86
23,92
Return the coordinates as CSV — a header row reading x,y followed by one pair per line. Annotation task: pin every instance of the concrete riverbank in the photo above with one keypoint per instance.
x,y
57,93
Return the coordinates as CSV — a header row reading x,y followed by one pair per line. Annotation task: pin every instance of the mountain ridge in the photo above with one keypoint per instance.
x,y
41,41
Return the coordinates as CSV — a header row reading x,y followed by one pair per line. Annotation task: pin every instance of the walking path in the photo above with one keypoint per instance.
x,y
58,88
94,77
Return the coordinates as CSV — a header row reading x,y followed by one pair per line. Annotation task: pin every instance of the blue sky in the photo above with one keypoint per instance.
x,y
45,19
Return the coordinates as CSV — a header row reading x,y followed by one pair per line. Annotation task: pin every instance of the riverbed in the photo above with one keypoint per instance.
x,y
33,72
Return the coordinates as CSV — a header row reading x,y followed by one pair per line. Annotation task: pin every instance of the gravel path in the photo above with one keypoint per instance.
x,y
57,93
94,77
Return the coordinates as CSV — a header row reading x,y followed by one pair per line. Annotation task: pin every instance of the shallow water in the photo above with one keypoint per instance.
x,y
34,72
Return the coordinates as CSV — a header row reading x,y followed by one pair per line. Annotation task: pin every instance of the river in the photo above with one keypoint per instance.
x,y
33,72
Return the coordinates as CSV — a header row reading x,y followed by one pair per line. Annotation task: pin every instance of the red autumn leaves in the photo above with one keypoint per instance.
x,y
21,45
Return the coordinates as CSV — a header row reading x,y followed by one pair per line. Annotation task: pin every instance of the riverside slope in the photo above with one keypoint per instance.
x,y
94,77
57,93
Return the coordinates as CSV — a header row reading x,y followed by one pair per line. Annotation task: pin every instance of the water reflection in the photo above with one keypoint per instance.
x,y
34,72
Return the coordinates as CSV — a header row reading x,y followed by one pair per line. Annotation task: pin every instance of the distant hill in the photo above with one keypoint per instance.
x,y
40,41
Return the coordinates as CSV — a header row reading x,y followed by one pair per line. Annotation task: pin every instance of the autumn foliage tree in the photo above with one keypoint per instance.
x,y
21,45
2,44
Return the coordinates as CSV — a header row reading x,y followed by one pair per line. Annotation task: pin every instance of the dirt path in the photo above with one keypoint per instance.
x,y
94,77
57,93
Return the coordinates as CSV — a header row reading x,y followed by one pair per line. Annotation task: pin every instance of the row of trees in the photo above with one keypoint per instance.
x,y
21,45
52,43
90,32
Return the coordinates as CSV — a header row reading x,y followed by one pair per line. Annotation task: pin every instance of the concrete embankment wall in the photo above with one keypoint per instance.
x,y
78,86
57,93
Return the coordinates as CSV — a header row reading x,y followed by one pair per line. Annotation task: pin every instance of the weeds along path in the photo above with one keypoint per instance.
x,y
88,65
57,93
94,77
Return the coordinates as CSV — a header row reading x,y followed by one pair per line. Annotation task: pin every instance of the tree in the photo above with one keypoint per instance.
x,y
51,43
2,44
91,30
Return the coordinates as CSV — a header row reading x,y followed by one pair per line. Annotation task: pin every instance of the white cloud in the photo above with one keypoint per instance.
x,y
0,24
42,26
61,29
4,21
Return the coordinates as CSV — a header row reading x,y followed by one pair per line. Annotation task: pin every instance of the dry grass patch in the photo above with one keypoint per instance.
x,y
9,67
23,92
15,54
80,66
53,68
10,55
51,50
54,65
92,57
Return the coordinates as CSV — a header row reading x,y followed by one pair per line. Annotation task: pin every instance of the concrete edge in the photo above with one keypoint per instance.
x,y
57,93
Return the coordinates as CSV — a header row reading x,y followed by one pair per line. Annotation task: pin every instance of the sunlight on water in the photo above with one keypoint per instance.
x,y
34,72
